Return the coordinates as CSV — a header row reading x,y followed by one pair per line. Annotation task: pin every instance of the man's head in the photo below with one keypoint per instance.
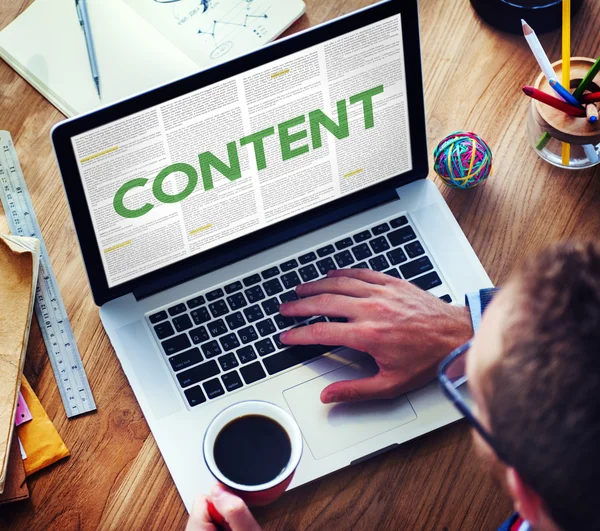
x,y
534,372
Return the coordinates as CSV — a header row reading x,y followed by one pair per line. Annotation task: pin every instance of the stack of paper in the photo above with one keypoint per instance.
x,y
19,262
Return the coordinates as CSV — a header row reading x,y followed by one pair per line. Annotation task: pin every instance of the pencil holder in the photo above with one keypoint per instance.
x,y
548,128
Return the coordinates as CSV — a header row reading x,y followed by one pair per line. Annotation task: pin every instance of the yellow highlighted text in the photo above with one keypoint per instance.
x,y
118,246
96,155
200,229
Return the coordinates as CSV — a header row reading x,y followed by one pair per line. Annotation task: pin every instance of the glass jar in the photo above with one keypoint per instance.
x,y
548,128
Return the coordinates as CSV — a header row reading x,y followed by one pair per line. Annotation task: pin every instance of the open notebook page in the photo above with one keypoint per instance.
x,y
46,45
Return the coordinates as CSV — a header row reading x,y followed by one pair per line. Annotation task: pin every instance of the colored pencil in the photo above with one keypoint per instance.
x,y
585,82
538,51
566,66
592,97
546,98
591,154
591,112
564,93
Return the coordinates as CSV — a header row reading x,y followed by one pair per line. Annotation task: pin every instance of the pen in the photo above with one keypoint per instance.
x,y
84,21
539,95
564,93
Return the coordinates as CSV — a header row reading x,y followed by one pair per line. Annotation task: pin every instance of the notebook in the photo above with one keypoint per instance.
x,y
19,262
139,44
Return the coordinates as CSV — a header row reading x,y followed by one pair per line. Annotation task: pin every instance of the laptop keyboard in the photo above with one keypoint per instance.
x,y
226,338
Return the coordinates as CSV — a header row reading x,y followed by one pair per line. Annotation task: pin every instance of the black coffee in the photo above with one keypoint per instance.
x,y
252,450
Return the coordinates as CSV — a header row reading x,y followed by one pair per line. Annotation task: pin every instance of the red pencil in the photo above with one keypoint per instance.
x,y
590,98
544,97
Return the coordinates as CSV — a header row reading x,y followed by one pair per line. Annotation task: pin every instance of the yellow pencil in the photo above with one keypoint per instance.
x,y
566,65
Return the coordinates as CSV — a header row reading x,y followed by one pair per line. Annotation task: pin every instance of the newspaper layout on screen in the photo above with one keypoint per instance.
x,y
198,171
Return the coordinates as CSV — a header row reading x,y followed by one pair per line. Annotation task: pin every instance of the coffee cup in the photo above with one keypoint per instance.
x,y
253,448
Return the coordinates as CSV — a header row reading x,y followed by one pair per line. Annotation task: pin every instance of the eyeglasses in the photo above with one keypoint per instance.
x,y
453,378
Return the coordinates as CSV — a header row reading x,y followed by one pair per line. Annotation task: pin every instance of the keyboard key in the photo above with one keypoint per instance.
x,y
229,342
199,373
199,335
248,334
218,308
232,381
254,313
235,320
308,273
400,236
344,244
251,280
195,302
211,349
246,354
185,359
289,296
200,316
213,388
183,322
277,339
414,249
270,273
380,229
362,236
379,244
317,320
344,259
233,287
379,263
362,251
428,281
216,328
177,309
175,344
272,287
416,267
289,265
360,265
163,330
159,316
325,265
446,298
236,301
283,322
398,222
306,258
253,372
265,327
255,294
324,251
228,361
397,256
290,280
214,295
265,347
194,396
393,273
271,306
293,356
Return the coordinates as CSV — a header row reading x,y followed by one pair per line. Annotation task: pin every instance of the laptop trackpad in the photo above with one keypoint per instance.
x,y
329,428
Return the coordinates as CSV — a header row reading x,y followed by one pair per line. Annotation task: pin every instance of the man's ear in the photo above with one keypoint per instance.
x,y
527,502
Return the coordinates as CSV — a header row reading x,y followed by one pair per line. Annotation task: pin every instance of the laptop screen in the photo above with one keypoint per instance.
x,y
203,169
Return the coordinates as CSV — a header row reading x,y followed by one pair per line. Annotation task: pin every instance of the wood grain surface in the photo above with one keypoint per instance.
x,y
115,477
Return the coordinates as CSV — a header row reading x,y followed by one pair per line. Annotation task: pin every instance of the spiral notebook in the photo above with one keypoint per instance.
x,y
139,44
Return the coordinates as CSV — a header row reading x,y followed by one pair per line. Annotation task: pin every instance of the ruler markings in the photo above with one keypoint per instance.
x,y
49,308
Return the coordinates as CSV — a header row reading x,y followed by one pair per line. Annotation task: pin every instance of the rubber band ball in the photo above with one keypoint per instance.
x,y
463,160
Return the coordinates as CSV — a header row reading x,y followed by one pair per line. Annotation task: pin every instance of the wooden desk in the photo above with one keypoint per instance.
x,y
116,478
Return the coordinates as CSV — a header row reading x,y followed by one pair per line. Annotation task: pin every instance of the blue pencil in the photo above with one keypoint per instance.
x,y
564,93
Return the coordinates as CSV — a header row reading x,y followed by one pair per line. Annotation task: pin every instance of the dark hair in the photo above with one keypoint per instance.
x,y
544,394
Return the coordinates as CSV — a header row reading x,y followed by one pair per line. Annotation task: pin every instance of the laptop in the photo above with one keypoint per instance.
x,y
200,206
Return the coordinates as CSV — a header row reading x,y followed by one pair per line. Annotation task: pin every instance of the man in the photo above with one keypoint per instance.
x,y
533,372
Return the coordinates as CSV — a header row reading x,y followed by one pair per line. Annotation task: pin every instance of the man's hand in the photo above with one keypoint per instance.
x,y
232,509
408,331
